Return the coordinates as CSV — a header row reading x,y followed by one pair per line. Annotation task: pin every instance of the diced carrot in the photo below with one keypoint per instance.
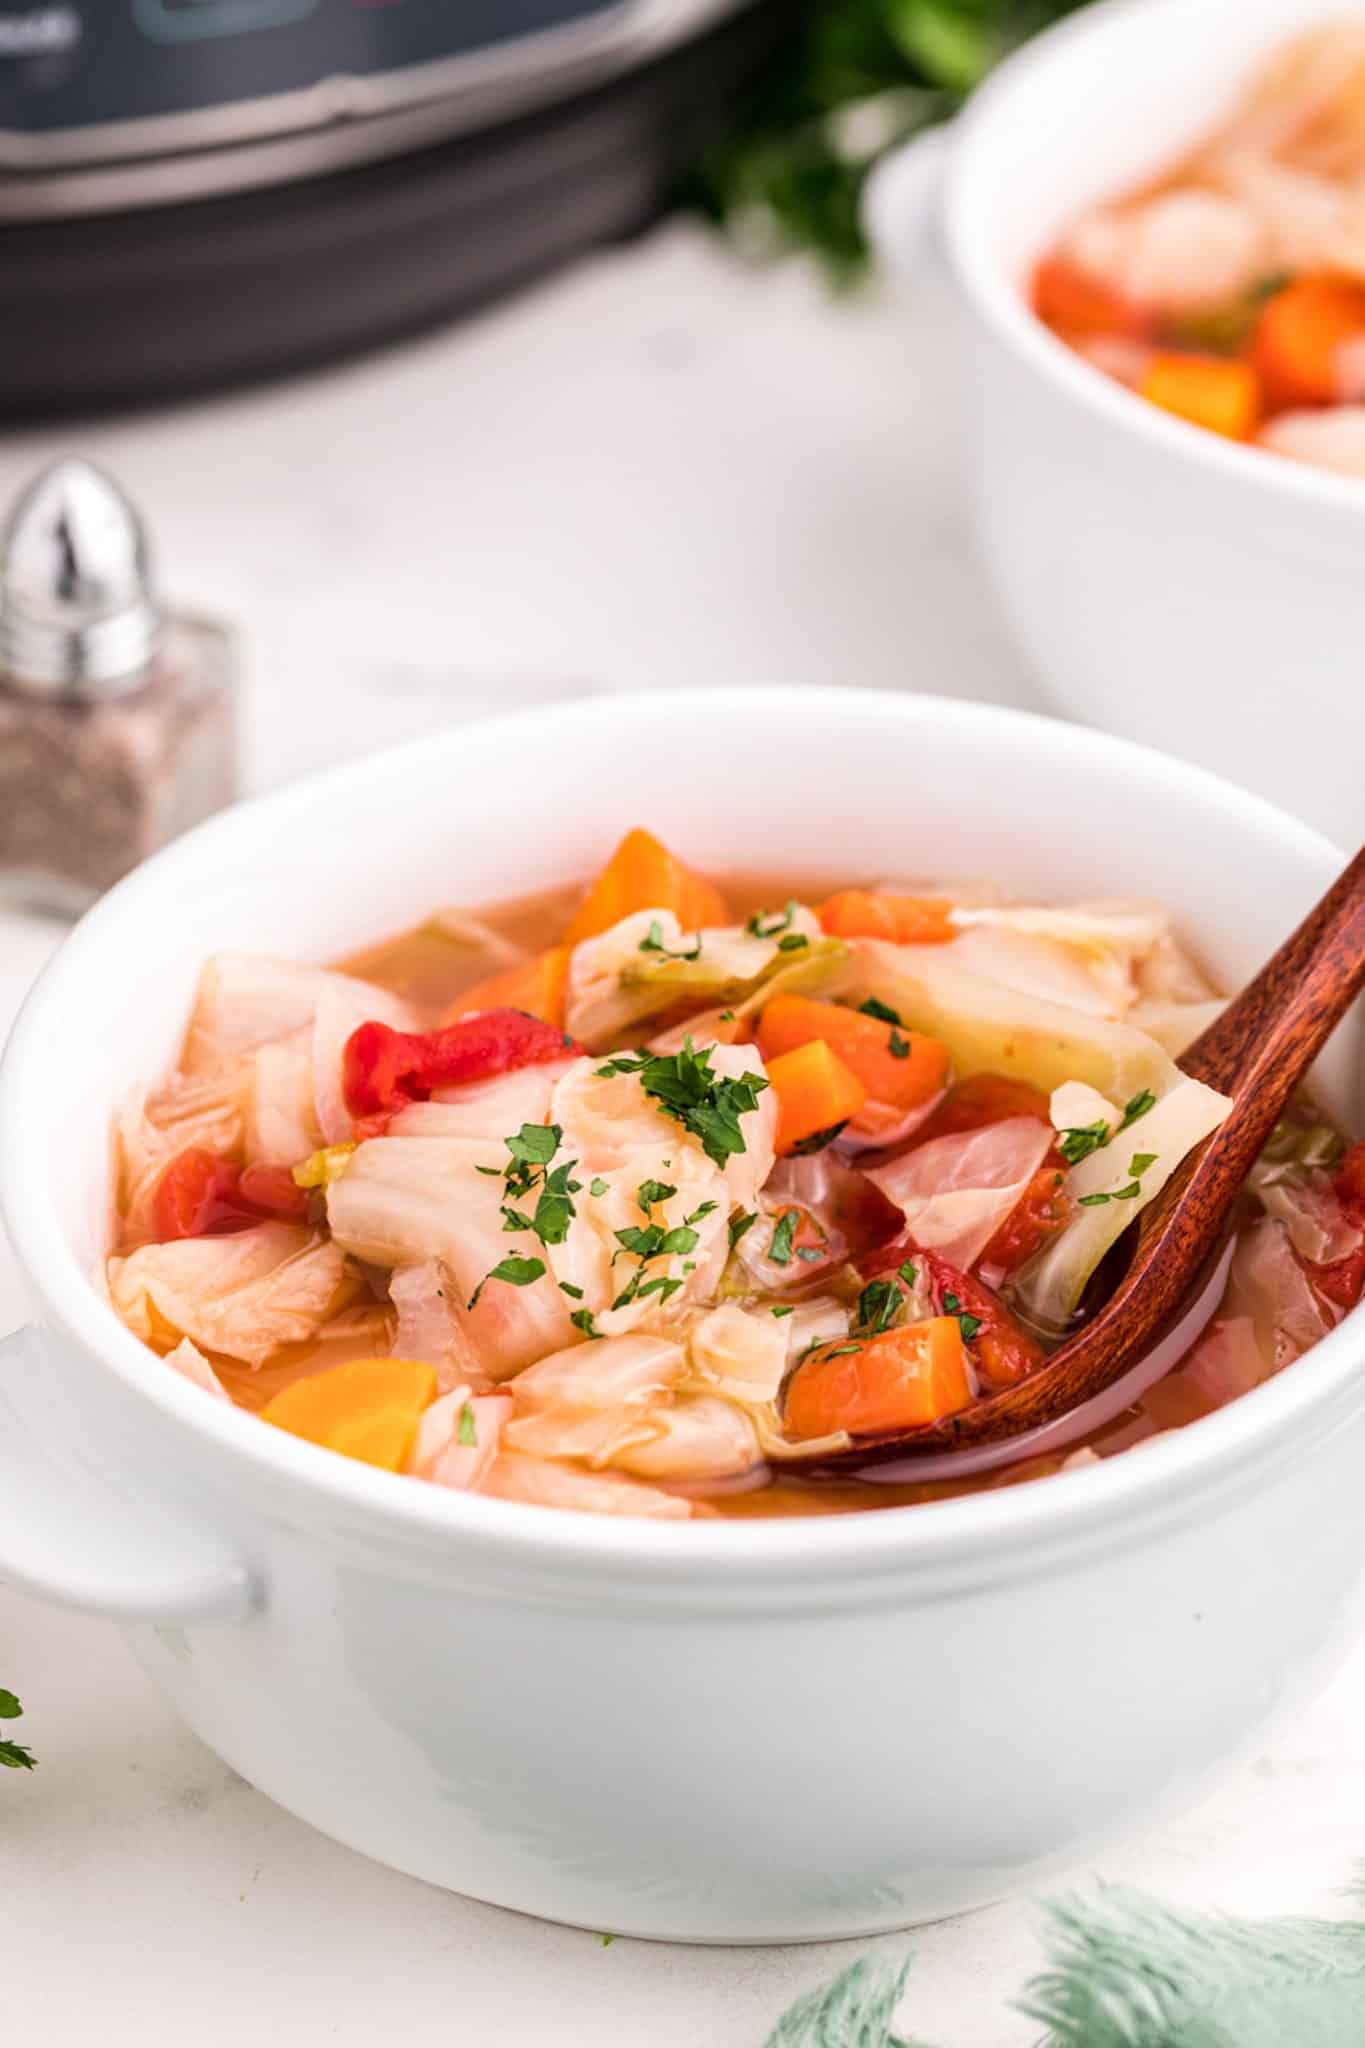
x,y
368,1409
815,1092
536,986
1209,391
1075,303
643,875
898,1067
982,1099
904,920
898,1380
1298,336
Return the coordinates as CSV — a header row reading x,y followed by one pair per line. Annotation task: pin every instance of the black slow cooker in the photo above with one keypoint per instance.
x,y
193,191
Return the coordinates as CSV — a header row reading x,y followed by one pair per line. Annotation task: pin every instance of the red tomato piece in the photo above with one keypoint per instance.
x,y
383,1069
194,1195
1343,1280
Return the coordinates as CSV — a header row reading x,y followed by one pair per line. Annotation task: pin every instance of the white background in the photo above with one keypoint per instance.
x,y
658,470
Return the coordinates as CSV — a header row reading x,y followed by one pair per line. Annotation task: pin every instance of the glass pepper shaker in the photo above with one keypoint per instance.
x,y
117,721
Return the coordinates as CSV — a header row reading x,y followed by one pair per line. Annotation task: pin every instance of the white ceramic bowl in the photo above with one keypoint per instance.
x,y
1163,582
709,1732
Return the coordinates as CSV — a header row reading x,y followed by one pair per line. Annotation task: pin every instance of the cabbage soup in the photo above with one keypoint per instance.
x,y
623,1198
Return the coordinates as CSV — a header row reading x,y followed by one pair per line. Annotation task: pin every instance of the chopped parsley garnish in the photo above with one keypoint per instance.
x,y
653,1242
780,1249
686,1088
466,1433
1140,1161
726,1017
810,1254
535,1144
1078,1144
651,1191
516,1272
766,924
817,1141
879,1304
785,1308
705,1209
739,1224
882,1011
1139,1106
653,942
839,1350
900,1047
582,1320
567,1287
598,1188
907,1273
968,1324
793,942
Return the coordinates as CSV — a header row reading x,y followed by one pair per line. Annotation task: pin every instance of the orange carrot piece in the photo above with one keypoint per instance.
x,y
904,920
815,1091
1297,338
1068,299
898,1380
903,1078
368,1409
537,986
1209,391
643,875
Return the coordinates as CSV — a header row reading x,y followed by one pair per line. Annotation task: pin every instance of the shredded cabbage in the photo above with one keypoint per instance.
x,y
1110,1186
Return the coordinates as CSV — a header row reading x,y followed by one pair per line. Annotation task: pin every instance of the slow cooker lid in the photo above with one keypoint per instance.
x,y
127,103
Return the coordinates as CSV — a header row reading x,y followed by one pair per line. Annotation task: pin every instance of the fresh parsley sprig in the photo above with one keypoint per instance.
x,y
687,1088
13,1755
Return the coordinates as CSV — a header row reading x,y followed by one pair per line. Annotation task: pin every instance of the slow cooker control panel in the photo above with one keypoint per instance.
x,y
73,69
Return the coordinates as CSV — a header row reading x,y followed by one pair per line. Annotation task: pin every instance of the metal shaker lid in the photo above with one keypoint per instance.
x,y
77,614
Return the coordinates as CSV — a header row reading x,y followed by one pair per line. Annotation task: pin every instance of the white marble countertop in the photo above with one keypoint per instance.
x,y
657,470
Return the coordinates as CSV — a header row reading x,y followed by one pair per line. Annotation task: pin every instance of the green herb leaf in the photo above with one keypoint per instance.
x,y
686,1088
1140,1161
1139,1106
900,1047
739,1224
516,1272
785,1308
598,1187
907,1273
879,1304
793,942
1078,1144
567,1287
10,1709
535,1144
582,1319
653,942
810,1254
882,1011
466,1432
780,1249
14,1757
651,1191
766,924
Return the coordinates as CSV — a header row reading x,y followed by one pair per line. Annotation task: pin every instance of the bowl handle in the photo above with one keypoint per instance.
x,y
68,1536
902,200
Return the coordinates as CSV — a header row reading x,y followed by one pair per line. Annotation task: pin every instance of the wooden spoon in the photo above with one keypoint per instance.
x,y
1257,1051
